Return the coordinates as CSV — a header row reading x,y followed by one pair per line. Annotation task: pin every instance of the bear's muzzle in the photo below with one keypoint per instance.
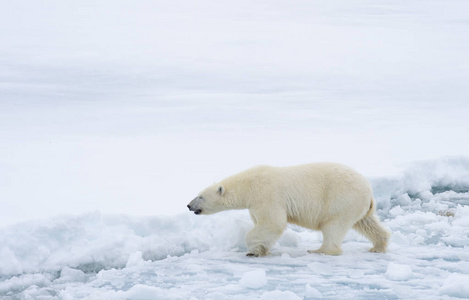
x,y
196,211
194,206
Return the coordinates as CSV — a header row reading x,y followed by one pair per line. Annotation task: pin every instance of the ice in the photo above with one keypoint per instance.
x,y
279,295
13,266
135,260
103,256
456,285
71,275
140,291
113,115
254,279
289,238
396,211
312,293
320,268
398,272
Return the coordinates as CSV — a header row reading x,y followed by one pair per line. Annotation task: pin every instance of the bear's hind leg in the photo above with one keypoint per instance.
x,y
372,229
333,234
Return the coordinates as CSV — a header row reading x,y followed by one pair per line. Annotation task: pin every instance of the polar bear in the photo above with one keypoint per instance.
x,y
329,197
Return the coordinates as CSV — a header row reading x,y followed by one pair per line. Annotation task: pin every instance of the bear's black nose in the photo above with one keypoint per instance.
x,y
188,206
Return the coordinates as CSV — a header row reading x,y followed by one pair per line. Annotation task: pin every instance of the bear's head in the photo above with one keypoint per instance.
x,y
209,201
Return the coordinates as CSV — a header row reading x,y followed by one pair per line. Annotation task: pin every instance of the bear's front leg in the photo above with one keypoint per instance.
x,y
257,243
264,235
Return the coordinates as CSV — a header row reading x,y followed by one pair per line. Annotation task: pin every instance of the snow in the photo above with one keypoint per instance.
x,y
113,115
398,272
320,268
279,295
135,260
253,279
311,292
456,285
184,256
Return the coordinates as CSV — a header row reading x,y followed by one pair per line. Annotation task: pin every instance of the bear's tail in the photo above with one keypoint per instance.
x,y
373,230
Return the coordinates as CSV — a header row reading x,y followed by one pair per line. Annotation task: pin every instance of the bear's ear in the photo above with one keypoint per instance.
x,y
221,190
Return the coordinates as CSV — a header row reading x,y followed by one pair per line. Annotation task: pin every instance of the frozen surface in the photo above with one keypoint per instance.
x,y
253,279
98,256
398,272
456,285
114,114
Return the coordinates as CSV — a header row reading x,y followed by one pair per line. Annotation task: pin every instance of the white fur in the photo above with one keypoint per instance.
x,y
329,197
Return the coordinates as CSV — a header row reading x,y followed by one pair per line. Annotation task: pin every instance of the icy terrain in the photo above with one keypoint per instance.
x,y
96,256
115,113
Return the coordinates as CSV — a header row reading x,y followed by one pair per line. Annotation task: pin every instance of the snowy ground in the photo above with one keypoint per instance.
x,y
114,114
96,256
